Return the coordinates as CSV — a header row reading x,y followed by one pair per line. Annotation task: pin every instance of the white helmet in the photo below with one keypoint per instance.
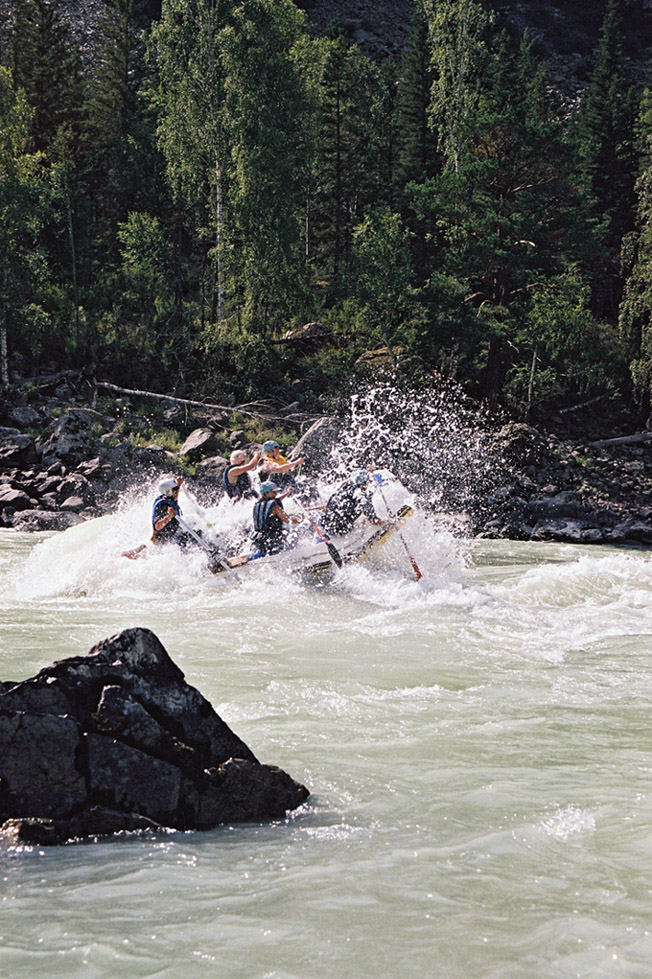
x,y
166,486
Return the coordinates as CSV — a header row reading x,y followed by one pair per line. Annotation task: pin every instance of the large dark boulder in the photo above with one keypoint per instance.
x,y
117,740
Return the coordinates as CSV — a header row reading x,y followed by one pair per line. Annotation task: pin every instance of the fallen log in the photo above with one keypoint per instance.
x,y
240,409
636,439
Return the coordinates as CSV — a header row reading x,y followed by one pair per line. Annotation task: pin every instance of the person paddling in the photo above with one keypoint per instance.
x,y
235,478
271,522
274,466
348,503
165,514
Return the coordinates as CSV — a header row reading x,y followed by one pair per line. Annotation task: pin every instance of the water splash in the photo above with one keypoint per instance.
x,y
431,437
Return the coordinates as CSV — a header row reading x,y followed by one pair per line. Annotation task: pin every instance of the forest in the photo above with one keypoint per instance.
x,y
206,199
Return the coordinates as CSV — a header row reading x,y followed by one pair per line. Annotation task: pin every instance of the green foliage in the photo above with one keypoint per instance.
x,y
46,66
176,202
344,180
635,319
507,210
566,355
606,134
381,273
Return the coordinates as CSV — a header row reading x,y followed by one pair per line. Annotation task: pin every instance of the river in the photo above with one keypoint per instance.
x,y
477,746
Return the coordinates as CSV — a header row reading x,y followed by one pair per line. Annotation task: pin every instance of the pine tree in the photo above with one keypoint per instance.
x,y
605,127
507,206
346,167
46,66
635,314
232,96
418,158
26,288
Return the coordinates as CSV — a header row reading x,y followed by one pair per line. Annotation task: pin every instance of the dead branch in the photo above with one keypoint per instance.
x,y
623,440
230,409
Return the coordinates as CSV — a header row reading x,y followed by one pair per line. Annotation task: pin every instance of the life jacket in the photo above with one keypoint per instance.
x,y
282,480
158,511
345,506
242,485
269,529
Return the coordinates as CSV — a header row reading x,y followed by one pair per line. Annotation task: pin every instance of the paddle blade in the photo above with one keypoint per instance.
x,y
334,553
415,567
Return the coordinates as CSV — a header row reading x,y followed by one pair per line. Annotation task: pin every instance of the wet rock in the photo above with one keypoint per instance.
x,y
567,531
211,468
33,520
117,740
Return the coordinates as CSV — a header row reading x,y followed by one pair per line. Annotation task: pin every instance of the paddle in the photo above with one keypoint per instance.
x,y
211,550
415,566
335,555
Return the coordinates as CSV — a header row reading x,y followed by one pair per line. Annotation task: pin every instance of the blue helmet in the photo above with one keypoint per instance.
x,y
269,445
269,487
361,477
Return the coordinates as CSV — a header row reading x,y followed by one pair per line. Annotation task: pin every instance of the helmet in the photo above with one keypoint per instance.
x,y
361,477
269,487
269,445
166,486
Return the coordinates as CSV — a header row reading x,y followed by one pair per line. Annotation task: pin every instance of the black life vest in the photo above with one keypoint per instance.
x,y
159,510
269,528
239,489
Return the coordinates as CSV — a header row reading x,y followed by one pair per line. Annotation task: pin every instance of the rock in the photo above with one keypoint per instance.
x,y
17,450
14,498
521,445
117,740
33,520
73,504
567,503
237,439
24,416
200,443
70,438
317,444
211,468
75,485
567,531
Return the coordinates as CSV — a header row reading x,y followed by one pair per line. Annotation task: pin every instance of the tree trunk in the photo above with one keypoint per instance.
x,y
530,387
219,220
4,360
494,379
73,262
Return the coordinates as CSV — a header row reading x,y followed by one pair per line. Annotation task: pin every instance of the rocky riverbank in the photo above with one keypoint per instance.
x,y
63,460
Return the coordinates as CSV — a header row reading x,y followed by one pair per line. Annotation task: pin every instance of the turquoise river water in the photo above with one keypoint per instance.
x,y
477,746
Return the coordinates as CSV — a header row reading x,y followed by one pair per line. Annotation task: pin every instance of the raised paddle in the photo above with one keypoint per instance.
x,y
415,566
215,557
335,555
